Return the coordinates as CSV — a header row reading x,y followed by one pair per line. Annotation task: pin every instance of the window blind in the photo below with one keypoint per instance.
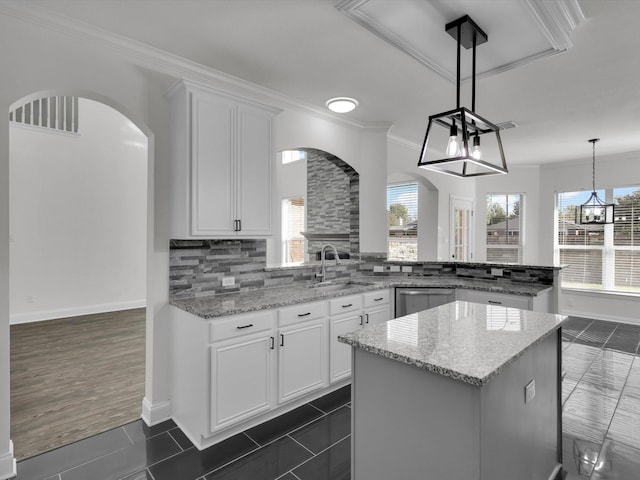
x,y
402,212
600,257
504,227
293,221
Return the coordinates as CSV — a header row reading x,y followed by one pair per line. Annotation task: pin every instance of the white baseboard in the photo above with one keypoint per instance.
x,y
8,464
555,474
16,318
596,316
156,413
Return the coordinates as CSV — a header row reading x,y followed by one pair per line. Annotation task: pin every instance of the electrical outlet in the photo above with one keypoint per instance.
x,y
497,272
378,268
407,269
530,391
228,281
394,268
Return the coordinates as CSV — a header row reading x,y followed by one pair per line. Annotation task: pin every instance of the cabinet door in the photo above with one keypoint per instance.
x,y
379,314
254,165
340,353
302,359
212,166
242,379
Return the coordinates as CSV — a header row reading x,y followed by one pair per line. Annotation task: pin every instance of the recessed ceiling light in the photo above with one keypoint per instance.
x,y
342,104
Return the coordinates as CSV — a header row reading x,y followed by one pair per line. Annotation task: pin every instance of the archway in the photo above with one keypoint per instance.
x,y
102,207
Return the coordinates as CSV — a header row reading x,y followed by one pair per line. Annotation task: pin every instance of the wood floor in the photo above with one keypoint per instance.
x,y
74,377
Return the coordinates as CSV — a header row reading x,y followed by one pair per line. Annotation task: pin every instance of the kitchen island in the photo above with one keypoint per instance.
x,y
460,391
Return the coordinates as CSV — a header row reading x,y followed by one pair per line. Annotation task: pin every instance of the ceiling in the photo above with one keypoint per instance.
x,y
311,51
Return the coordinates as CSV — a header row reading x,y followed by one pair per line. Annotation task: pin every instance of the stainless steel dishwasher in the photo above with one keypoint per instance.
x,y
411,300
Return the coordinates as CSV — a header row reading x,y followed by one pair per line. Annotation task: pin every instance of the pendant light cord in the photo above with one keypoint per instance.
x,y
593,168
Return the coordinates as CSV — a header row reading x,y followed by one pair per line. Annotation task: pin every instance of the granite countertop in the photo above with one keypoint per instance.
x,y
242,302
465,341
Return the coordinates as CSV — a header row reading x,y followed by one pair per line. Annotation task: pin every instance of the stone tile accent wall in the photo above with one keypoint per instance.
x,y
510,273
333,201
197,267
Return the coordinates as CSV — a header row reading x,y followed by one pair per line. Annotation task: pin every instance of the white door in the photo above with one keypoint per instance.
x,y
461,238
242,379
302,359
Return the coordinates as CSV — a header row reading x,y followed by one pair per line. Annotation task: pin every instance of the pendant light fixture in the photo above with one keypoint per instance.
x,y
594,210
446,148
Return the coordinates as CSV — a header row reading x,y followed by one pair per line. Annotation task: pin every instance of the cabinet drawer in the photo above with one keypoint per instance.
x,y
345,304
302,312
379,297
502,299
240,325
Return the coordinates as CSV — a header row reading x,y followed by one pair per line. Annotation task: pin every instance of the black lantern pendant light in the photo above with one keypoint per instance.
x,y
449,133
594,210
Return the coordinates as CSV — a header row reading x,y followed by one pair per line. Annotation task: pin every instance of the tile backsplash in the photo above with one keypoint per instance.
x,y
197,268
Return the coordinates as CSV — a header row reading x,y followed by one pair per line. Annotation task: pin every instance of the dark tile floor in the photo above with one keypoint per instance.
x,y
601,430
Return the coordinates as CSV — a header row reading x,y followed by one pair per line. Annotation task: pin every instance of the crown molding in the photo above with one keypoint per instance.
x,y
555,20
164,62
404,142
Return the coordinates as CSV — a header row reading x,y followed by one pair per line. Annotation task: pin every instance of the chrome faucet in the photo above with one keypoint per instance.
x,y
323,272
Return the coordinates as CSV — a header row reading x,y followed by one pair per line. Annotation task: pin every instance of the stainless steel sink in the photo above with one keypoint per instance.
x,y
337,286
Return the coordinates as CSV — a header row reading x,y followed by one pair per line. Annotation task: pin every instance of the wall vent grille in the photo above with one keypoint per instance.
x,y
59,112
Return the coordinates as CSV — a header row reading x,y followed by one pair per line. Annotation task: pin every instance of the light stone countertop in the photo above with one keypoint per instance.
x,y
220,305
465,341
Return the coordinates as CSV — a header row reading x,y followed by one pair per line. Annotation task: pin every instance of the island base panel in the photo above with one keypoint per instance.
x,y
408,422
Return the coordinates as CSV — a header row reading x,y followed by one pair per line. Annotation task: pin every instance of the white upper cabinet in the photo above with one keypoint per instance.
x,y
222,160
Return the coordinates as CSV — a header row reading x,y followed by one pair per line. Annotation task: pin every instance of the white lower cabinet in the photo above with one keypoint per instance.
x,y
232,373
340,365
369,308
242,376
539,303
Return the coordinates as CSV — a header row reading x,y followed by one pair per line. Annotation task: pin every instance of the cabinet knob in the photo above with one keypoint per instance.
x,y
304,314
242,327
273,343
347,305
281,340
494,302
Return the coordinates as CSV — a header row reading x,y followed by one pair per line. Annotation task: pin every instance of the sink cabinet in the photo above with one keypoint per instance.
x,y
222,159
232,373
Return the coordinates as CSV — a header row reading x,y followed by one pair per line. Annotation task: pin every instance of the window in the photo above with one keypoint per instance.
x,y
290,156
504,227
293,221
402,210
600,257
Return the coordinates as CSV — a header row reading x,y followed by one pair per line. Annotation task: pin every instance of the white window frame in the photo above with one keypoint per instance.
x,y
417,207
608,250
521,239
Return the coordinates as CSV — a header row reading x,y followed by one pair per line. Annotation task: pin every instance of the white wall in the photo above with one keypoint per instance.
x,y
362,148
619,170
290,180
78,217
524,180
39,60
402,164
